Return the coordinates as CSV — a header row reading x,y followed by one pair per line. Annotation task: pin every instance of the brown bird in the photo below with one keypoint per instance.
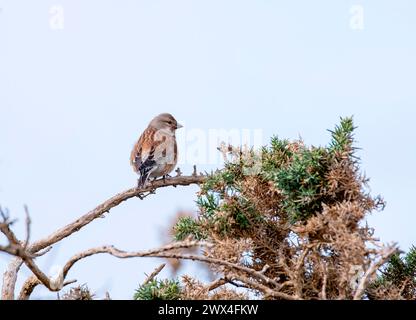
x,y
155,154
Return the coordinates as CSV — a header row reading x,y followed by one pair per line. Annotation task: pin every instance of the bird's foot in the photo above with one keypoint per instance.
x,y
166,176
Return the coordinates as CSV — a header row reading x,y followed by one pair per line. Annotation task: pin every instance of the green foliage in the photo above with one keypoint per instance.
x,y
188,226
343,136
301,174
208,203
398,275
159,290
399,269
410,261
301,182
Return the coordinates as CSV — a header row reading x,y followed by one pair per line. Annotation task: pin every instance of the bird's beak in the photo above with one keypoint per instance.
x,y
178,126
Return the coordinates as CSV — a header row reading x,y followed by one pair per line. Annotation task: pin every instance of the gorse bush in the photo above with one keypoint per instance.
x,y
297,180
397,278
295,215
159,290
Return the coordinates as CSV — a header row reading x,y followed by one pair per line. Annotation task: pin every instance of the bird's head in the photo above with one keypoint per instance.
x,y
165,122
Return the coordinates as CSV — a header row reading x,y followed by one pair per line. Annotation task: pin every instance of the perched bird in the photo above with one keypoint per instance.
x,y
155,154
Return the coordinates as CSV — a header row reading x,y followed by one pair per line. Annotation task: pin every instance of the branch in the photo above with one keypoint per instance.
x,y
163,252
110,204
154,274
33,282
385,256
10,276
265,289
299,272
126,255
17,249
30,285
5,229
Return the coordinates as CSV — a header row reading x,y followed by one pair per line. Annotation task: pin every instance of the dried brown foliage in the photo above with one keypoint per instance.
x,y
78,293
295,218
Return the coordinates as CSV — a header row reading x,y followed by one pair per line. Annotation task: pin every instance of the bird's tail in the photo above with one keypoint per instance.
x,y
141,183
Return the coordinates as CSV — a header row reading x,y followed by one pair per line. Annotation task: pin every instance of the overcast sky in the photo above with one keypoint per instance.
x,y
80,80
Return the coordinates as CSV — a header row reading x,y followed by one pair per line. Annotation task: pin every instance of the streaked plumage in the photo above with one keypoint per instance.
x,y
155,154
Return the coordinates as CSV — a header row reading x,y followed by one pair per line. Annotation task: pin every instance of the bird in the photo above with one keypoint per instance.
x,y
155,154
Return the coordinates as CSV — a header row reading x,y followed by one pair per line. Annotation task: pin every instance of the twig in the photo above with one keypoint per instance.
x,y
154,274
324,283
42,252
268,292
28,224
69,282
5,229
216,284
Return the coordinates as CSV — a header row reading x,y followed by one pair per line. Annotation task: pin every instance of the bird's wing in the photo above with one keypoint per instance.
x,y
147,151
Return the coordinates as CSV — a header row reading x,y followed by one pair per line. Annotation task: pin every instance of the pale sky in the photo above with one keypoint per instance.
x,y
80,80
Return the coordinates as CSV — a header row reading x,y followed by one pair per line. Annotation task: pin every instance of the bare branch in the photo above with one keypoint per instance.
x,y
108,205
164,252
30,285
385,256
33,282
10,276
125,255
